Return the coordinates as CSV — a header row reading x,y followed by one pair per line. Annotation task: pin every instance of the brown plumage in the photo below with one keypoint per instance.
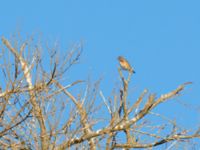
x,y
125,64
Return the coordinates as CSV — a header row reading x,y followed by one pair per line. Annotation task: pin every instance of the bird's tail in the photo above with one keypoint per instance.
x,y
132,70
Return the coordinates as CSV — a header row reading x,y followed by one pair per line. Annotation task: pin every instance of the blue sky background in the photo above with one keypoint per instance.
x,y
161,39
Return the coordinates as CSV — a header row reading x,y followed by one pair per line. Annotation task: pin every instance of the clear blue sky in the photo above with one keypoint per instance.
x,y
160,38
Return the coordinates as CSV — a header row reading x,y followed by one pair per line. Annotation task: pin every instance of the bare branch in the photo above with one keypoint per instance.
x,y
36,109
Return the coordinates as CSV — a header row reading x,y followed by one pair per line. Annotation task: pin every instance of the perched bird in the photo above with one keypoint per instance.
x,y
125,64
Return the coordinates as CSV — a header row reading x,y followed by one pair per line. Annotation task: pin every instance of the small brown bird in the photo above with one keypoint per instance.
x,y
125,64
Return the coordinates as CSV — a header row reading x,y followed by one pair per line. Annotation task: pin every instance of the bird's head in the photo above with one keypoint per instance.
x,y
120,58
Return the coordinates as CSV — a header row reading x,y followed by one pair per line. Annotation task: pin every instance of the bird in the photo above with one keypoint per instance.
x,y
125,64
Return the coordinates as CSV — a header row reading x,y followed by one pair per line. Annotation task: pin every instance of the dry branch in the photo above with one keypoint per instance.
x,y
36,108
63,118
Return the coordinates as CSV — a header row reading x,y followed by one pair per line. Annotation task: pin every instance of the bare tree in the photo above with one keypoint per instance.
x,y
40,110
